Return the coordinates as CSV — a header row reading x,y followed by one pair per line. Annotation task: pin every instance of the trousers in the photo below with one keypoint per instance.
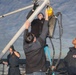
x,y
37,73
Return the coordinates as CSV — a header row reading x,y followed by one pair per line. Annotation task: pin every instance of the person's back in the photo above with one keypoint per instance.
x,y
35,58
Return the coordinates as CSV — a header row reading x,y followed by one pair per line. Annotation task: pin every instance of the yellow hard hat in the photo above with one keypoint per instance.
x,y
50,11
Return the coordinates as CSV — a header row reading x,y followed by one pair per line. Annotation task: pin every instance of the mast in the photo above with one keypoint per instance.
x,y
23,28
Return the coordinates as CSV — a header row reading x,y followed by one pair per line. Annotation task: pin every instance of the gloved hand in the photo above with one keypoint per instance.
x,y
35,6
31,11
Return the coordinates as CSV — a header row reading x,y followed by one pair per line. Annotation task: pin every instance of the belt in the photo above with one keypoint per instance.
x,y
14,66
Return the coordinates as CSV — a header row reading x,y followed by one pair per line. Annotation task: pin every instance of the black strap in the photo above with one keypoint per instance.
x,y
14,66
41,41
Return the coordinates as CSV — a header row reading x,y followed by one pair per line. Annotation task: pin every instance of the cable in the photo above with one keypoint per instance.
x,y
59,20
60,35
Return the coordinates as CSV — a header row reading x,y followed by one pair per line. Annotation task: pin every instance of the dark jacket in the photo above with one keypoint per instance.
x,y
36,26
35,56
70,61
13,60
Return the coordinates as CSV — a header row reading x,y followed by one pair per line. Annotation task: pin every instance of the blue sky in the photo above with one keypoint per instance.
x,y
11,24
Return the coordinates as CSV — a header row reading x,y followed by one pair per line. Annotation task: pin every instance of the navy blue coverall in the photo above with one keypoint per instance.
x,y
13,63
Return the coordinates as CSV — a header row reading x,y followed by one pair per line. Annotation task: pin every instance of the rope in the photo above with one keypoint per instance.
x,y
53,51
60,35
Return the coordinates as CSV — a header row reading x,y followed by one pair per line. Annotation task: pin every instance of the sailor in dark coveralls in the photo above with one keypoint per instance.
x,y
37,25
13,62
70,59
34,49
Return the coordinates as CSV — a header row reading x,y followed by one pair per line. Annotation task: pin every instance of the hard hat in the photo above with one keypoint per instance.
x,y
50,11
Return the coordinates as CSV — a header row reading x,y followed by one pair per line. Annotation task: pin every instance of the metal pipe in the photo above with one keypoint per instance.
x,y
16,11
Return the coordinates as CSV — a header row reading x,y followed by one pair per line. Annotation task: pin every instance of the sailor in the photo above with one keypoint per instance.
x,y
70,59
13,61
34,49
